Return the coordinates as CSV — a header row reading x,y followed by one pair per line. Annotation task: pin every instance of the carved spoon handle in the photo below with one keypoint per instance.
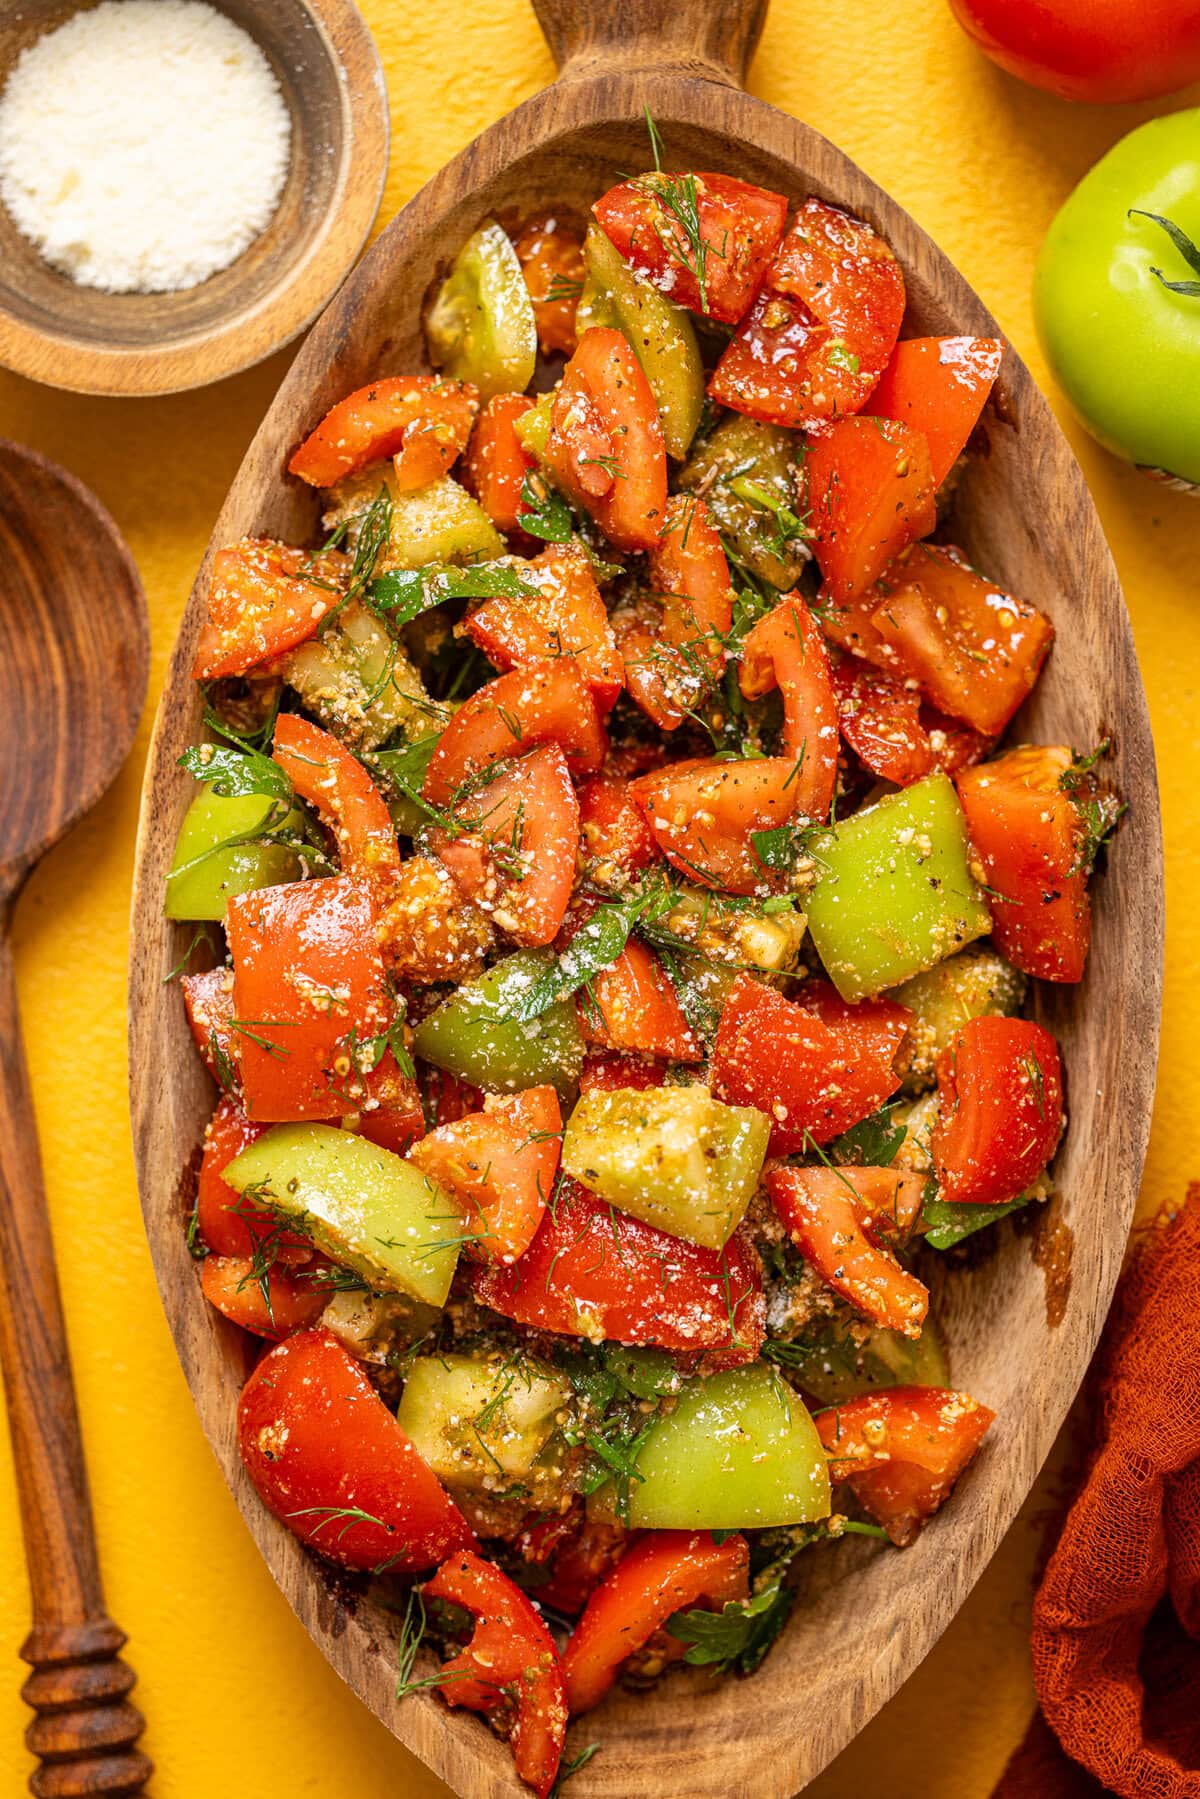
x,y
85,1732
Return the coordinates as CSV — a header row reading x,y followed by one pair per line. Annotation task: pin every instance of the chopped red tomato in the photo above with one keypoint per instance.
x,y
550,253
391,1109
880,1024
235,1286
975,650
324,773
501,1164
605,449
786,650
838,1218
550,704
423,421
448,1098
715,269
228,1223
820,332
1029,835
308,991
565,617
954,745
264,598
617,842
208,1002
1000,1110
871,491
612,1070
634,1006
901,1450
938,385
704,815
880,719
812,1079
581,1553
496,463
329,1460
510,1670
666,1571
674,656
516,857
592,1271
631,1005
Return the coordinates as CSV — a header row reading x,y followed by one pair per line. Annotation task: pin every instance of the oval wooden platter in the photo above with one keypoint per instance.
x,y
1023,1318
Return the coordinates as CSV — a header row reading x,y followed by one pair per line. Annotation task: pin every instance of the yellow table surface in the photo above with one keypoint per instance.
x,y
239,1701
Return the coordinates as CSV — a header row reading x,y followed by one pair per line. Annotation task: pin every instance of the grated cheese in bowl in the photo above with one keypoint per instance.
x,y
144,144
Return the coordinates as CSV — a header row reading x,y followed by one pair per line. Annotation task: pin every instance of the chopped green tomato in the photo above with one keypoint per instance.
x,y
484,1422
358,681
839,1368
473,1035
204,876
765,455
738,1452
533,427
481,327
437,523
894,894
674,1157
659,333
365,1207
971,985
646,1373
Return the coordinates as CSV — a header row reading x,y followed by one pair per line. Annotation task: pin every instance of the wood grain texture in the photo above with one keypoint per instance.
x,y
94,342
866,1617
74,651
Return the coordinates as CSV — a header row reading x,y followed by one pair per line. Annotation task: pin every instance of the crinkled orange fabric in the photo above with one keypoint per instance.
x,y
1116,1622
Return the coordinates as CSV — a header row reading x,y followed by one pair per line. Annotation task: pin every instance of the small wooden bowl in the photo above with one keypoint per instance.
x,y
67,335
1020,1314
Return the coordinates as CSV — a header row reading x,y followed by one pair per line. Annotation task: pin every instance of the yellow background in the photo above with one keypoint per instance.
x,y
239,1701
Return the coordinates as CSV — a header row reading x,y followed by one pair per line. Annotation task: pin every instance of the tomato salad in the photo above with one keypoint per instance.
x,y
628,911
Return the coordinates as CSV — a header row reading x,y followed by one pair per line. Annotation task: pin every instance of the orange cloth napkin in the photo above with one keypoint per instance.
x,y
1116,1622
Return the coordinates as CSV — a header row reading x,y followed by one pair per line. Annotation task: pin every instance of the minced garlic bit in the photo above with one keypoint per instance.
x,y
143,145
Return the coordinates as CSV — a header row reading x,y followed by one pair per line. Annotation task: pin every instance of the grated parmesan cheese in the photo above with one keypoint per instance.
x,y
143,145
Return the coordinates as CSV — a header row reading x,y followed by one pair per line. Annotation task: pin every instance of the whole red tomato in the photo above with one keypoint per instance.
x,y
1097,50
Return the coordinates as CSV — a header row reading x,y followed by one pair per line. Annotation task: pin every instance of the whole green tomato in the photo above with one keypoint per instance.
x,y
1117,297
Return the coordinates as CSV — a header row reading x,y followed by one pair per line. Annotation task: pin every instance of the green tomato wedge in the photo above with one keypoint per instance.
x,y
674,1157
894,894
437,523
481,327
367,1208
739,1452
659,333
358,681
473,1036
482,1421
836,1369
1116,301
204,876
743,449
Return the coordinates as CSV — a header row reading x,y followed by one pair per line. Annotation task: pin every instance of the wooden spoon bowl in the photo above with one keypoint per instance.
x,y
82,338
1022,1318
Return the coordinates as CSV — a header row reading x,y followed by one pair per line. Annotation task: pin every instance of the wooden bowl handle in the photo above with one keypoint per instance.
x,y
85,1730
714,39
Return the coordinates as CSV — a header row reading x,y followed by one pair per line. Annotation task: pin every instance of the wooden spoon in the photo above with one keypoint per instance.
x,y
74,649
1020,1317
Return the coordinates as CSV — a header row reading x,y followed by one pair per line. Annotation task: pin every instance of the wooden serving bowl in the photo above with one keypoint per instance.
x,y
1021,1318
56,331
